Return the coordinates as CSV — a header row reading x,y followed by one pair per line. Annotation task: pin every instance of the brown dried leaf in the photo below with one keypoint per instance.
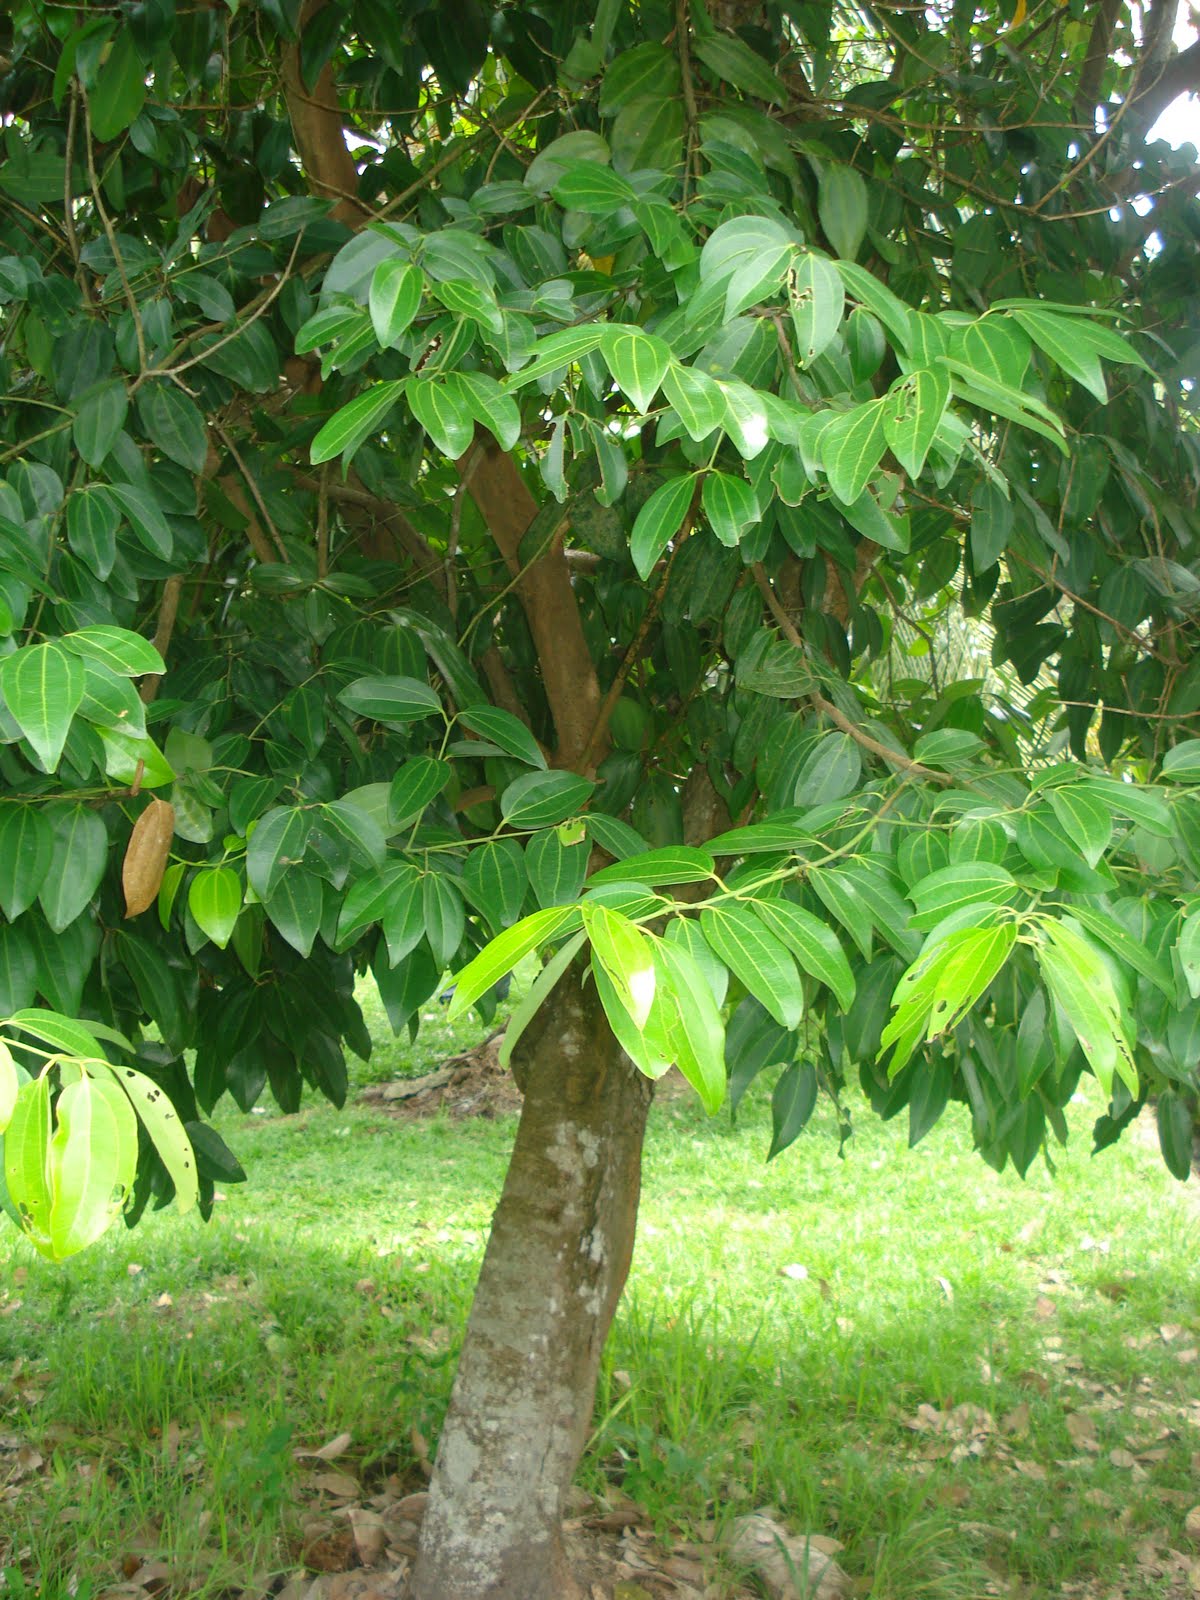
x,y
146,856
1082,1430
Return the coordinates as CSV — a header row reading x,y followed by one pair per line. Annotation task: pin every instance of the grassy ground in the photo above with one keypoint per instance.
x,y
978,1385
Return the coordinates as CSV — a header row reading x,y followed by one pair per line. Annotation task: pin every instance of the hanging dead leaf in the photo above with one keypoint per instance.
x,y
146,856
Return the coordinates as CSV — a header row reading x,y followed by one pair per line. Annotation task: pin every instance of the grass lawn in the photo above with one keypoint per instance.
x,y
978,1385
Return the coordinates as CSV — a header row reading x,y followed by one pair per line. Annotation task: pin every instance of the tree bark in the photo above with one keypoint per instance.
x,y
556,1262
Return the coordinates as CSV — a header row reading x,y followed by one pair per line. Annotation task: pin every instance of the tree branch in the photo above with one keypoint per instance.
x,y
1087,93
316,120
544,588
1181,75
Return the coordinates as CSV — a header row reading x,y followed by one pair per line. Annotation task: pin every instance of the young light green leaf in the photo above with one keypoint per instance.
x,y
1085,820
27,1162
215,899
10,1083
1079,980
659,520
442,410
167,1134
537,993
488,404
696,1028
93,1160
498,958
965,883
627,957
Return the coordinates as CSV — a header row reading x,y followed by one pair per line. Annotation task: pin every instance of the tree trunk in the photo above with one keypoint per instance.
x,y
556,1262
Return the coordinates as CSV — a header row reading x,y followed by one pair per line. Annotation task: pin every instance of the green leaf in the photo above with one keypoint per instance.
x,y
537,994
638,362
1060,338
830,771
445,918
659,520
757,279
215,899
816,299
1182,762
443,412
394,299
167,1134
1085,820
504,730
489,405
559,350
793,1102
594,189
648,134
730,505
392,896
843,899
912,414
349,426
27,1162
696,1028
746,420
417,783
121,651
99,420
1079,980
879,300
1126,948
10,1083
278,842
991,525
732,61
851,448
119,92
498,958
495,880
93,1161
145,517
842,207
393,700
756,957
26,852
92,523
1176,1132
18,970
294,906
966,883
697,400
1014,404
556,865
646,69
175,424
677,863
815,946
80,854
541,799
549,164
42,685
626,956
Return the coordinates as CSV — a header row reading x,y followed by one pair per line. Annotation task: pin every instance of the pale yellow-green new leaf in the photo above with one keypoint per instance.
x,y
10,1084
27,1161
161,1122
93,1158
1079,980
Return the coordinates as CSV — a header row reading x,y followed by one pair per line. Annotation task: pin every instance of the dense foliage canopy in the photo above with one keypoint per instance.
x,y
711,491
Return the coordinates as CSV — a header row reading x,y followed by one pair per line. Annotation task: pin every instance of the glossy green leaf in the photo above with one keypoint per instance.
x,y
730,506
912,414
42,686
672,865
816,300
417,783
757,958
394,299
27,1162
117,649
79,856
557,865
592,188
119,92
498,958
174,422
638,362
842,206
356,421
815,946
851,448
659,520
444,414
495,880
730,60
696,1028
93,1159
145,516
215,900
504,730
99,420
541,799
278,842
793,1102
394,699
964,884
26,854
696,398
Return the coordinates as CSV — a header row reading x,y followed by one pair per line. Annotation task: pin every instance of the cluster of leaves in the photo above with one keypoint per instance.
x,y
783,365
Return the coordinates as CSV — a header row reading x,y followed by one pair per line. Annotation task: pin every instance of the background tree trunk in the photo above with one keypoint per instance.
x,y
556,1262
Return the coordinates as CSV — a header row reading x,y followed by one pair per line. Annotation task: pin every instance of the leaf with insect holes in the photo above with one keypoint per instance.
x,y
912,414
816,299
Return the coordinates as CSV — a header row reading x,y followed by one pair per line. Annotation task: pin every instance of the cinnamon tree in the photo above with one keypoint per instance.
x,y
490,480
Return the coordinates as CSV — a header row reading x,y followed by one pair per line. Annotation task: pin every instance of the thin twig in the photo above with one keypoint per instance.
x,y
111,235
861,737
168,610
255,491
